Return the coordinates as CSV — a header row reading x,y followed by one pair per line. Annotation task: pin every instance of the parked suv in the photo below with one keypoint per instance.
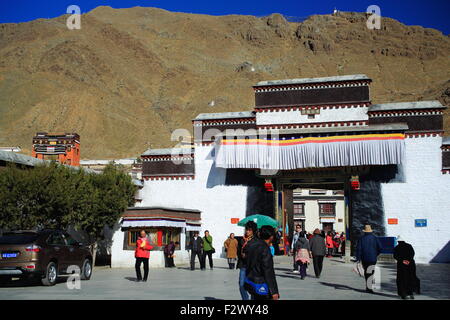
x,y
42,254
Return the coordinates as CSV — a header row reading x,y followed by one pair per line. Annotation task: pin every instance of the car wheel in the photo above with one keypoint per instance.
x,y
51,274
86,270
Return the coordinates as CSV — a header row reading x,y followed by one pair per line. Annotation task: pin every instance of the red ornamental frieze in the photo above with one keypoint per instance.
x,y
204,143
322,106
423,134
224,121
167,158
400,113
315,125
309,86
171,177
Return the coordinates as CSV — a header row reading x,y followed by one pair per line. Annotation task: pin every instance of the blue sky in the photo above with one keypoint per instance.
x,y
431,13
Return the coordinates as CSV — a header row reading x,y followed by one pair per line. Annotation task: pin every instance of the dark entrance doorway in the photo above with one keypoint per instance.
x,y
327,227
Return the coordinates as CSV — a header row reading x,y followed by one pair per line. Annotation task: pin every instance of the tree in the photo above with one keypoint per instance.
x,y
101,201
58,196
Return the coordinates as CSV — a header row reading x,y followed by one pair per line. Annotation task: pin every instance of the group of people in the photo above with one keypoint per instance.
x,y
253,255
255,260
305,248
201,248
367,251
335,244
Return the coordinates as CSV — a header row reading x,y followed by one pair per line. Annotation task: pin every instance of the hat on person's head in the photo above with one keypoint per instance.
x,y
316,231
367,228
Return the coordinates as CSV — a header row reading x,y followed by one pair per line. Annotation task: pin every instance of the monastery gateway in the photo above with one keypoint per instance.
x,y
391,161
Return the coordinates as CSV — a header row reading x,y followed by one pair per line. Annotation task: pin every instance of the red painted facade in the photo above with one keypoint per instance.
x,y
66,147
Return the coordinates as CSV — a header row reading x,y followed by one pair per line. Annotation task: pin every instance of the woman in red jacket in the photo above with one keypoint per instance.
x,y
142,254
330,245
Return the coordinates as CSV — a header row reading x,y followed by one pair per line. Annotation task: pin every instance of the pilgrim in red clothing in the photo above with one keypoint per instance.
x,y
142,254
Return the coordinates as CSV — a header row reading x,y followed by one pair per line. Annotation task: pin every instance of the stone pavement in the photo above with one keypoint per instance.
x,y
337,282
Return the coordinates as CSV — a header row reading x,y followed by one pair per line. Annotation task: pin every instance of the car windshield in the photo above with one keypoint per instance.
x,y
18,238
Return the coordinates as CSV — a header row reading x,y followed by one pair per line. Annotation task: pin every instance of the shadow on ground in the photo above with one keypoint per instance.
x,y
345,287
27,283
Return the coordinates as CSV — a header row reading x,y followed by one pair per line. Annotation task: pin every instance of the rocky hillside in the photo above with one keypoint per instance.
x,y
131,76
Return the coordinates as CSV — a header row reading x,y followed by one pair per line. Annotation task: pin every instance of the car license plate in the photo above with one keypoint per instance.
x,y
9,255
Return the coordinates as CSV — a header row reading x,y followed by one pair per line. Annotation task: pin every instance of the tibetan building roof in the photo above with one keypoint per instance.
x,y
168,151
161,217
353,77
21,159
225,115
434,104
446,141
143,210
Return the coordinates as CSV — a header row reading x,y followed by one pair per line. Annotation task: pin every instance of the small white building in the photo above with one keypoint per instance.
x,y
162,226
319,208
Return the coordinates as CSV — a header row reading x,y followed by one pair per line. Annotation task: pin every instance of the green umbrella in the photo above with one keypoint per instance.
x,y
260,220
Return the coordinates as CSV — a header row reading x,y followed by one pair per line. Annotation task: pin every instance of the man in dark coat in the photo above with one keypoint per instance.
x,y
196,247
169,251
407,281
367,251
318,251
260,274
251,229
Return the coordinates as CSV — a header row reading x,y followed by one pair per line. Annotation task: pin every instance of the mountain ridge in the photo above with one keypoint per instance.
x,y
129,77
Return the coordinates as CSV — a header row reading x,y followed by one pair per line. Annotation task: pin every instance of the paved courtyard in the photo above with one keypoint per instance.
x,y
337,282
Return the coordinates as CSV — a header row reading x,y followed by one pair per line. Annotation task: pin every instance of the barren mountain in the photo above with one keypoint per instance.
x,y
129,77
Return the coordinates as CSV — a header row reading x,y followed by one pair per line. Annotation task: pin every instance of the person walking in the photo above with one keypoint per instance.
x,y
231,247
342,242
142,255
295,237
277,242
196,247
208,249
329,243
287,246
302,254
260,278
169,251
336,244
318,251
249,236
407,281
367,251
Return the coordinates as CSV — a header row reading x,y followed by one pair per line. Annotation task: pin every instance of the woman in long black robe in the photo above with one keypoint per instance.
x,y
407,281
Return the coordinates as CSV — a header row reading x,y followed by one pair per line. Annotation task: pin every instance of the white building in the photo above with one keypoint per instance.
x,y
319,208
314,133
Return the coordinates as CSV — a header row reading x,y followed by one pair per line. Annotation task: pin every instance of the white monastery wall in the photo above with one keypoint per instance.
x,y
425,194
326,115
218,203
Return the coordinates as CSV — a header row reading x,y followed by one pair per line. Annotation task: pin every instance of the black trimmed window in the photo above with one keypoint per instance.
x,y
327,209
299,209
